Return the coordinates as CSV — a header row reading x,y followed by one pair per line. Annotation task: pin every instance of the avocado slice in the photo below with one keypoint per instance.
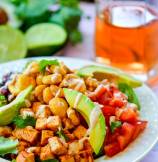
x,y
8,145
113,74
10,12
8,112
85,107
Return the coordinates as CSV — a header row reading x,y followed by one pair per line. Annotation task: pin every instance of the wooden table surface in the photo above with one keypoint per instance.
x,y
86,50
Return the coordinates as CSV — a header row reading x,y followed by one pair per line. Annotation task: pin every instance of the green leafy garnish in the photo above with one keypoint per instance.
x,y
62,135
8,145
21,122
3,100
44,63
132,97
69,3
33,11
69,17
114,125
75,36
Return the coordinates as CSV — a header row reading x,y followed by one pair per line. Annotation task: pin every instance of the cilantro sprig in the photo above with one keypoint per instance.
x,y
114,125
62,135
21,122
44,63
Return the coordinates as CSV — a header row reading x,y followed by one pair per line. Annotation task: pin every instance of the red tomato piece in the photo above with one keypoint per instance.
x,y
105,98
128,115
112,149
112,137
139,127
127,132
100,90
108,110
116,102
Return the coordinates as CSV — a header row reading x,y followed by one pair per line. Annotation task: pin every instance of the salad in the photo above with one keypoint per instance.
x,y
51,113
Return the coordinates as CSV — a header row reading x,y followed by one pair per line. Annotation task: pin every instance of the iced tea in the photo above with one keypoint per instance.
x,y
127,36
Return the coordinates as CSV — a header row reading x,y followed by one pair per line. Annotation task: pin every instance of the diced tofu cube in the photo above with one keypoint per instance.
x,y
75,147
46,153
53,122
71,113
25,157
41,123
26,112
23,145
67,158
67,123
80,132
28,134
46,134
56,146
5,131
35,106
35,150
43,111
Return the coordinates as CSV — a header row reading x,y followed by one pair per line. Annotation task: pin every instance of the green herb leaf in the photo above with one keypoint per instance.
x,y
69,3
44,63
21,122
62,135
75,36
3,100
114,125
132,97
8,145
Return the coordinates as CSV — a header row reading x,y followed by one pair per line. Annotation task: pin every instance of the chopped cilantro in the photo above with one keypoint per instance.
x,y
44,63
62,135
114,125
21,122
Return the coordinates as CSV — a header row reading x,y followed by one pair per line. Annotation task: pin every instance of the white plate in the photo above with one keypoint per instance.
x,y
149,102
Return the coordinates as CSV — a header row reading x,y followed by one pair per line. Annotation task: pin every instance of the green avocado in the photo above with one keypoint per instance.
x,y
113,74
85,107
9,13
8,112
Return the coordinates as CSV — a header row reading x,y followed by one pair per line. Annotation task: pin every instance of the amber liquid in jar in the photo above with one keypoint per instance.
x,y
127,37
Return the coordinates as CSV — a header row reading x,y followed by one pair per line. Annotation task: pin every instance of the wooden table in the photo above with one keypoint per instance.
x,y
86,50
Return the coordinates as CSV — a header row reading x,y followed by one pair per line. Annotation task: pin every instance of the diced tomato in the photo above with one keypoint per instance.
x,y
128,115
112,149
116,102
139,127
105,98
112,137
127,132
100,90
108,110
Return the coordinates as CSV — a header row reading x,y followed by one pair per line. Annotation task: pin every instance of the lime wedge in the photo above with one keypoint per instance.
x,y
12,44
46,37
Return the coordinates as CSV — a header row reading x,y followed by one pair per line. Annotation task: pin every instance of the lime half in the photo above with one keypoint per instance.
x,y
45,36
12,44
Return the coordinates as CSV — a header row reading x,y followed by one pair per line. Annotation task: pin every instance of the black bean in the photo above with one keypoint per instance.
x,y
4,91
